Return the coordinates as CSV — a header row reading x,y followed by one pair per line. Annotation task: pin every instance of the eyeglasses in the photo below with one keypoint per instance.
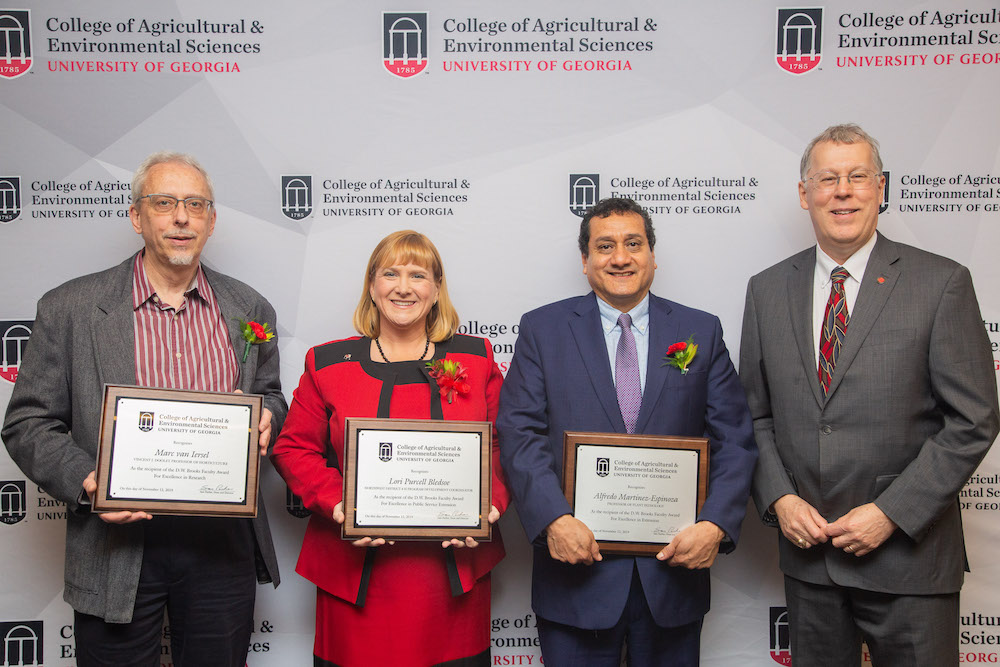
x,y
196,206
827,181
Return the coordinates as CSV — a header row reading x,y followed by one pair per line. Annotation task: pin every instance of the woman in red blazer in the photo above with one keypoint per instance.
x,y
402,603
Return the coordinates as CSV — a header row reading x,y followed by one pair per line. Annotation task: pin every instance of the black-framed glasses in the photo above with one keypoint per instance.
x,y
826,181
196,206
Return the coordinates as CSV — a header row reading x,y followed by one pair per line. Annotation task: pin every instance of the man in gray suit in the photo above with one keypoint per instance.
x,y
869,377
158,319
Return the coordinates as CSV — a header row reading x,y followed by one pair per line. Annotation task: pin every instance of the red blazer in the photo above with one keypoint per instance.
x,y
341,381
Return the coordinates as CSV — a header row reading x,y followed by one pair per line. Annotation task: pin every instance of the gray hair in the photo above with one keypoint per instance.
x,y
849,133
166,157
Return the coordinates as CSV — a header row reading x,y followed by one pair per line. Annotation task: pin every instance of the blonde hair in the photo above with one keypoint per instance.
x,y
407,247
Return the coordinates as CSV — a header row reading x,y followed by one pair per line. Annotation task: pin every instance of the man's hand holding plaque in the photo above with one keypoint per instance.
x,y
633,494
263,428
694,548
570,541
123,516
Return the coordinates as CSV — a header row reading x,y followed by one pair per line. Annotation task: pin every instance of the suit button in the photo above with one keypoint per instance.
x,y
827,430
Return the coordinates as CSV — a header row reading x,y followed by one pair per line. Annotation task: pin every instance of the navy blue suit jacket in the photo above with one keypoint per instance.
x,y
560,380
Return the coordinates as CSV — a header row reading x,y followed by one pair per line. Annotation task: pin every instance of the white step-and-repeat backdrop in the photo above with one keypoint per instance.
x,y
487,126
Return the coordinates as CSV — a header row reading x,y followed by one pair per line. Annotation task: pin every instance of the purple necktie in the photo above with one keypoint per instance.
x,y
627,374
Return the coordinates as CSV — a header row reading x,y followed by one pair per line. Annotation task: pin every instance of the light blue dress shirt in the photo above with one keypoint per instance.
x,y
613,332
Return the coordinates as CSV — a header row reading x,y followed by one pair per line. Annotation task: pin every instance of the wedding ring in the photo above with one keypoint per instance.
x,y
849,548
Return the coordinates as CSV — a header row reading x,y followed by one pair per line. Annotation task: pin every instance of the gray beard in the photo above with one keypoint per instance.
x,y
182,260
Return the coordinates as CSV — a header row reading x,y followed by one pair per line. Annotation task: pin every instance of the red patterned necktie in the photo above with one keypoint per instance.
x,y
627,382
835,320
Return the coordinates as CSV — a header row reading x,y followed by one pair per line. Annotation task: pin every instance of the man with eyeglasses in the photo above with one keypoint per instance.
x,y
159,319
870,382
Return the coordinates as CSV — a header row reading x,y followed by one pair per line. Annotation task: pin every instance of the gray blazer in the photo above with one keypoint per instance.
x,y
912,410
83,338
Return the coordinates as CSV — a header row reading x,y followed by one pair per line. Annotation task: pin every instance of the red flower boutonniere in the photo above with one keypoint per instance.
x,y
680,355
451,377
254,333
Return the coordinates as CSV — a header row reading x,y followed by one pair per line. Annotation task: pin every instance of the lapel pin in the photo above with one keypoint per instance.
x,y
881,279
347,357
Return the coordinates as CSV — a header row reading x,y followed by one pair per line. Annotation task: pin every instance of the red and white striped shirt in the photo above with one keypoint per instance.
x,y
186,348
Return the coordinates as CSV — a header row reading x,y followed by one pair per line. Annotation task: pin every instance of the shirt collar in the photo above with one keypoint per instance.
x,y
610,314
855,264
143,291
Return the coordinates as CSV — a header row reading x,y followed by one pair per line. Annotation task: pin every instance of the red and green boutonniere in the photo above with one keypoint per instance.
x,y
680,355
254,333
451,377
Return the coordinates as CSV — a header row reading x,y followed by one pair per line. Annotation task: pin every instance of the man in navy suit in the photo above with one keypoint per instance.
x,y
568,358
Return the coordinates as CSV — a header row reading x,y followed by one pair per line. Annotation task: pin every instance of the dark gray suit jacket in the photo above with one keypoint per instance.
x,y
83,338
912,410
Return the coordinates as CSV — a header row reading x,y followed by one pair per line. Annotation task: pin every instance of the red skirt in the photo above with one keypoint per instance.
x,y
410,617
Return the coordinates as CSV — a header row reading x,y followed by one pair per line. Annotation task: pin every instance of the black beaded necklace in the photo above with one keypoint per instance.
x,y
427,346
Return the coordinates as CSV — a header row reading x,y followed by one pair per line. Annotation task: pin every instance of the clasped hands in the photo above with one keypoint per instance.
x,y
695,547
859,532
338,516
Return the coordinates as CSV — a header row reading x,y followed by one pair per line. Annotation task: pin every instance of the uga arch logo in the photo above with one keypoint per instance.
x,y
296,196
21,643
294,505
385,451
14,335
146,421
10,197
603,466
781,645
884,206
13,506
584,192
800,39
404,43
15,42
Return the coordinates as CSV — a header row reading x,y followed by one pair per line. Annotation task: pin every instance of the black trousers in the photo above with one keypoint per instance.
x,y
201,571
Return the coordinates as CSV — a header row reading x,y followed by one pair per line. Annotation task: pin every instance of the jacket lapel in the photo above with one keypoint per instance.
x,y
233,309
663,331
872,297
800,289
589,337
114,330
